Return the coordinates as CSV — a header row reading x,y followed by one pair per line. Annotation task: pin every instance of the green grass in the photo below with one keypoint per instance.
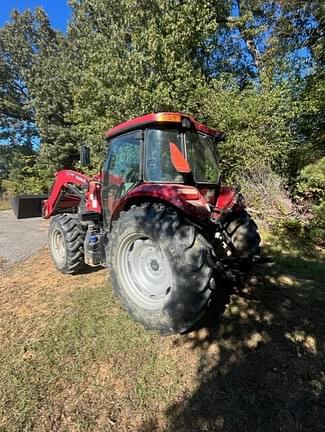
x,y
89,367
95,333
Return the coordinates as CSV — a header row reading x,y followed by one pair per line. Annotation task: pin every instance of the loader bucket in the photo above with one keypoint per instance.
x,y
27,206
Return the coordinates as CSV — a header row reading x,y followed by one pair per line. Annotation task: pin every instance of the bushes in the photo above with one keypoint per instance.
x,y
311,195
258,124
311,182
265,192
301,219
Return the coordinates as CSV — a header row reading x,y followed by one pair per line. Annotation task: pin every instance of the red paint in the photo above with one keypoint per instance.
x,y
226,201
153,118
225,198
116,180
68,200
180,163
93,197
187,198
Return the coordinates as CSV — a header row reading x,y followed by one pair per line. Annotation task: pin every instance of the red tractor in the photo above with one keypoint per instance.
x,y
157,217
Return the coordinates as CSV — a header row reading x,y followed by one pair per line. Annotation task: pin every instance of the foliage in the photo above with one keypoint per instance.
x,y
21,42
251,68
136,58
311,187
265,193
258,125
27,176
311,182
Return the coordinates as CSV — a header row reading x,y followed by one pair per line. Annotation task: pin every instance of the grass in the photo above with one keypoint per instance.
x,y
81,365
73,360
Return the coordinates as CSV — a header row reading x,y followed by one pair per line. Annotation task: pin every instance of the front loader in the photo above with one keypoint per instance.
x,y
158,218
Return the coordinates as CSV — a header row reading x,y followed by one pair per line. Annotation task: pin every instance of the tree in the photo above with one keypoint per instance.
x,y
135,57
253,68
21,42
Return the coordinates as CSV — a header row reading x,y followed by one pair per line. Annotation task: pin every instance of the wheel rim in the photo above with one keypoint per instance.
x,y
58,246
144,271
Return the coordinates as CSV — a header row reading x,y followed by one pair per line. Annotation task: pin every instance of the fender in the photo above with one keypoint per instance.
x,y
187,198
228,200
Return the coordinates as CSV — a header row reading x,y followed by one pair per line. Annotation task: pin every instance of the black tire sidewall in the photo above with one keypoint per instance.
x,y
55,225
189,295
244,235
73,261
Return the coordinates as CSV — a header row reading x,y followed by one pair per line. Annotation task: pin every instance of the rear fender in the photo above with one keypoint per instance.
x,y
186,198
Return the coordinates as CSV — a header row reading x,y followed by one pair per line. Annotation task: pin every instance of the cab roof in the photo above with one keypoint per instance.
x,y
160,118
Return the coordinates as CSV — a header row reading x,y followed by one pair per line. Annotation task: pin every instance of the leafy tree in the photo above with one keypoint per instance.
x,y
137,57
252,68
21,41
35,88
258,126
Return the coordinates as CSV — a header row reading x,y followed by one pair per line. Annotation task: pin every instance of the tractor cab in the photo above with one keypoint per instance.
x,y
160,150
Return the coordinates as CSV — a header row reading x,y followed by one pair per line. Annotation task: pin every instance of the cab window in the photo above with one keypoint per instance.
x,y
123,165
158,164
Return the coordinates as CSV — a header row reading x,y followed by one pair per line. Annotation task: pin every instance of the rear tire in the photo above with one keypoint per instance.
x,y
159,267
244,235
66,243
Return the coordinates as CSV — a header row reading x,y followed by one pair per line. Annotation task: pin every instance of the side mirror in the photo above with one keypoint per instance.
x,y
85,156
178,160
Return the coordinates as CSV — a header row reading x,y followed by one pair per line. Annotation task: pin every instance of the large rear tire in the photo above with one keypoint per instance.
x,y
66,243
244,235
160,268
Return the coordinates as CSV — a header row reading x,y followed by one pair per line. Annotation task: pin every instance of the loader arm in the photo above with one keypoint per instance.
x,y
63,181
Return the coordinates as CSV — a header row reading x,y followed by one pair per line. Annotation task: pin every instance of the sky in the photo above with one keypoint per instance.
x,y
57,10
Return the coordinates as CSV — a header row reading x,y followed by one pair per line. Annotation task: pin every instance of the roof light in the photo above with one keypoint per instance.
x,y
175,118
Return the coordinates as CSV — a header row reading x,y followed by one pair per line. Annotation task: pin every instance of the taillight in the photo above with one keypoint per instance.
x,y
189,194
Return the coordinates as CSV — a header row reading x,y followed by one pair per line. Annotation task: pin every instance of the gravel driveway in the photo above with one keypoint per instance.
x,y
20,238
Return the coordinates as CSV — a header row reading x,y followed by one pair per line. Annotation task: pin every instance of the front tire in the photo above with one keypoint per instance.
x,y
159,267
66,243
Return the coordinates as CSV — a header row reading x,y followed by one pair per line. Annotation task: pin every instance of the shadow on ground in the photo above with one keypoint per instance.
x,y
262,365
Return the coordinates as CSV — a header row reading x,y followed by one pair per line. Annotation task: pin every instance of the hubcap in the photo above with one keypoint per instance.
x,y
145,271
58,246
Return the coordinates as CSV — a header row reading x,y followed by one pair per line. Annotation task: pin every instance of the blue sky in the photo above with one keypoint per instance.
x,y
57,10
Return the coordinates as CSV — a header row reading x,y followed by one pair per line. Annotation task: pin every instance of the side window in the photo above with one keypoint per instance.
x,y
123,166
158,165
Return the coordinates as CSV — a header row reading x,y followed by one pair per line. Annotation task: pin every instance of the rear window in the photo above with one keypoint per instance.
x,y
203,157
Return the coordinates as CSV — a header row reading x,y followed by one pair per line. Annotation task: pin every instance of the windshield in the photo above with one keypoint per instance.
x,y
203,157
